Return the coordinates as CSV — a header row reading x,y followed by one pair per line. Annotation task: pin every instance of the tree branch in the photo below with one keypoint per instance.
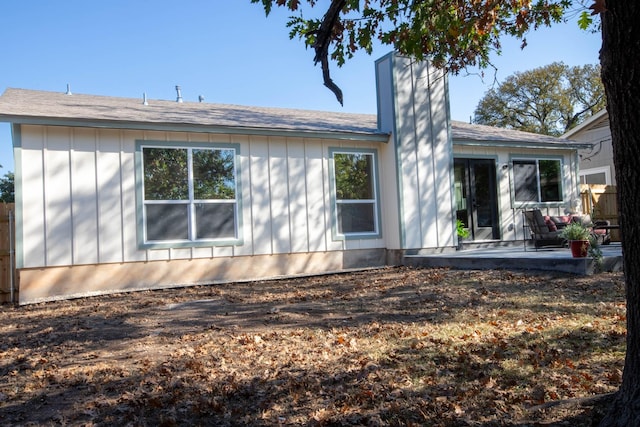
x,y
324,35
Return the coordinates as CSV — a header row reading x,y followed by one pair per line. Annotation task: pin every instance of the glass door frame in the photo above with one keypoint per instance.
x,y
470,181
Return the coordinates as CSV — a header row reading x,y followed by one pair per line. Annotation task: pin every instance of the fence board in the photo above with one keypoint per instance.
x,y
602,203
5,251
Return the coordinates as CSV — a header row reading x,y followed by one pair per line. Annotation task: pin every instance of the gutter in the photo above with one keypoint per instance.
x,y
199,128
569,145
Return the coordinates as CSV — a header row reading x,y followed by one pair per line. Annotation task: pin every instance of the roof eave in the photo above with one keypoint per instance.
x,y
586,124
196,128
524,144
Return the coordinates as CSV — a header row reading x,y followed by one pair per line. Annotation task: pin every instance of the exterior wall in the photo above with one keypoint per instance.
x,y
509,211
51,283
600,159
77,207
413,105
78,215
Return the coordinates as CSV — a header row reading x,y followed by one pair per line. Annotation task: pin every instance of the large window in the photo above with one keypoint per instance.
x,y
356,204
537,180
189,194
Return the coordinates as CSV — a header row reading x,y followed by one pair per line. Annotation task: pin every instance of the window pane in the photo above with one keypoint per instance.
x,y
550,180
525,182
354,176
195,178
213,174
165,174
356,218
167,222
215,220
595,178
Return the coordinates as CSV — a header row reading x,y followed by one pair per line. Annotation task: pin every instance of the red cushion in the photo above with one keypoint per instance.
x,y
552,225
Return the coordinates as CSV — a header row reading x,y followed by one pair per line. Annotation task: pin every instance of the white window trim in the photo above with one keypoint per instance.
x,y
539,202
593,171
191,201
335,202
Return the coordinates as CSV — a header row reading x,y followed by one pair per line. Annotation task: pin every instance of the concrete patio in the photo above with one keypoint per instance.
x,y
521,258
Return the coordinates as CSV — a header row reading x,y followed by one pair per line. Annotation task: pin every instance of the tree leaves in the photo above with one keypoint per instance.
x,y
548,100
585,20
7,188
452,34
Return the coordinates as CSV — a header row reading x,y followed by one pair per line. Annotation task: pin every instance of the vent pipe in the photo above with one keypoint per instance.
x,y
68,89
200,98
144,98
179,98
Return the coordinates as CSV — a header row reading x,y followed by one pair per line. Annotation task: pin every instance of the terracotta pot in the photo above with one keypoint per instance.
x,y
579,248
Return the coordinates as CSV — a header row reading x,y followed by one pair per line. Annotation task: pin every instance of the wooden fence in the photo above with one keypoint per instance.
x,y
7,246
601,202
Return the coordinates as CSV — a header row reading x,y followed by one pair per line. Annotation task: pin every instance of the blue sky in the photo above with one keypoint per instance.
x,y
224,50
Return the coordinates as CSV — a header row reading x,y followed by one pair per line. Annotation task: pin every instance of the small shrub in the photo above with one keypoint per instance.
x,y
462,232
575,231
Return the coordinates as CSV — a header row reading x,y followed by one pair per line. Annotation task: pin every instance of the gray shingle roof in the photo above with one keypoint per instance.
x,y
466,133
57,106
31,106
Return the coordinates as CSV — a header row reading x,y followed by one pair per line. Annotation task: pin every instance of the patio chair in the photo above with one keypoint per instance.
x,y
600,229
540,232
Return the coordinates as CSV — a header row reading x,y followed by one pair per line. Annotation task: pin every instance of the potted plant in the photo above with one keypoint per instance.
x,y
462,232
578,237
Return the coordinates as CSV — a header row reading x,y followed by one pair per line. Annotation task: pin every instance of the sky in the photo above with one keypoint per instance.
x,y
224,50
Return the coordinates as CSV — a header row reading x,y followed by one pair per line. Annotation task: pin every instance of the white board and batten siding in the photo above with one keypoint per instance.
x,y
81,204
419,120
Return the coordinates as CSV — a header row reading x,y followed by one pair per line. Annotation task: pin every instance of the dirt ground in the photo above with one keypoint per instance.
x,y
395,346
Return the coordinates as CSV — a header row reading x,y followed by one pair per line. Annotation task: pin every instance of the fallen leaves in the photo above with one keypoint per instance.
x,y
387,347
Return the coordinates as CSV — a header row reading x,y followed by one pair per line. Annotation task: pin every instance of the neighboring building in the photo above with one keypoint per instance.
x,y
596,163
117,194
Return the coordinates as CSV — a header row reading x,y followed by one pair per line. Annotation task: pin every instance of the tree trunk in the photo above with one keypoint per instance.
x,y
620,60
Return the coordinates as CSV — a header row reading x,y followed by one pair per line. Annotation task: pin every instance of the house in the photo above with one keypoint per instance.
x,y
596,162
118,194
